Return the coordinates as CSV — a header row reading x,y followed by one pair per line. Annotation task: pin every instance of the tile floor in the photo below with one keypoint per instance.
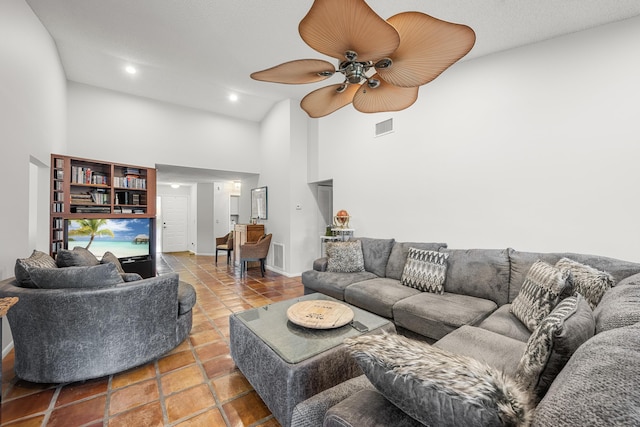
x,y
196,384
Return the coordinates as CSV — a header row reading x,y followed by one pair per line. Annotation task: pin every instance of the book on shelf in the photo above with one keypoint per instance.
x,y
85,175
59,163
91,209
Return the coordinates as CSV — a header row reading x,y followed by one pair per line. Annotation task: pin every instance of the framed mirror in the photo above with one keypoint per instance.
x,y
259,203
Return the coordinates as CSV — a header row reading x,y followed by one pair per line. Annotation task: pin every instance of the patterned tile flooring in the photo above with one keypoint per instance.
x,y
196,384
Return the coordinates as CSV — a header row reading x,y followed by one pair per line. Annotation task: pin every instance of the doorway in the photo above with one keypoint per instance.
x,y
174,220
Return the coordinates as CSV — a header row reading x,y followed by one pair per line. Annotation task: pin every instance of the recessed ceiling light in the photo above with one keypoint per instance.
x,y
233,97
175,185
130,69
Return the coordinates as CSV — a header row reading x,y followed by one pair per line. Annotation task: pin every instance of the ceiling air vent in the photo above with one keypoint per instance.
x,y
384,127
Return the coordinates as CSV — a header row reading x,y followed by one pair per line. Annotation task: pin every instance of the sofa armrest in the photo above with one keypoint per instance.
x,y
320,264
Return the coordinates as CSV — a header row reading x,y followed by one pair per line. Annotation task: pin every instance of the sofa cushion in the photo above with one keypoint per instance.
x,y
109,257
434,315
589,282
437,387
599,384
376,254
378,295
619,306
482,273
425,270
186,297
521,262
399,253
332,284
553,342
345,257
95,276
540,293
504,322
78,257
23,266
499,351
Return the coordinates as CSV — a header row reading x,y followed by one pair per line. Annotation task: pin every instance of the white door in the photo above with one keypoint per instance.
x,y
175,210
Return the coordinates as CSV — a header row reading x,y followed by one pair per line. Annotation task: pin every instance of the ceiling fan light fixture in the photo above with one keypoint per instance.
x,y
408,50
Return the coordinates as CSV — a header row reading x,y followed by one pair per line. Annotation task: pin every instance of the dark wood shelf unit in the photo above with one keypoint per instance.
x,y
85,188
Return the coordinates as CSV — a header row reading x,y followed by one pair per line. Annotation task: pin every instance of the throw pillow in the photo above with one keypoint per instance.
x,y
345,257
109,257
620,306
587,281
78,257
437,387
24,265
425,270
567,327
540,293
96,276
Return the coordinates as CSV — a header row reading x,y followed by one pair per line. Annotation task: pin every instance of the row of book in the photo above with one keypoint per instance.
x,y
81,175
129,182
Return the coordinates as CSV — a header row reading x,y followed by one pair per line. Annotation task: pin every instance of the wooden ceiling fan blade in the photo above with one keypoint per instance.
x,y
428,46
334,27
328,99
296,72
385,97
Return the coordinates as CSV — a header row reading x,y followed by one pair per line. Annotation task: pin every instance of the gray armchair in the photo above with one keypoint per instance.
x,y
254,252
75,334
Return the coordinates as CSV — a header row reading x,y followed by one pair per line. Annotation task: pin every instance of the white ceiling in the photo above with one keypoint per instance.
x,y
196,52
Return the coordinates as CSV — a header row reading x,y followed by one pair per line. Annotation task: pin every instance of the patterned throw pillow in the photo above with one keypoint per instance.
x,y
551,345
425,270
540,293
587,281
437,387
36,260
345,257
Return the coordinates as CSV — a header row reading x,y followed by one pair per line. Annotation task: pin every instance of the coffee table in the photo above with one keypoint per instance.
x,y
286,363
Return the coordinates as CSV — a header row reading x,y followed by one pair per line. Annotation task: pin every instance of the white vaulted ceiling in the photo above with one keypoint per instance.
x,y
196,52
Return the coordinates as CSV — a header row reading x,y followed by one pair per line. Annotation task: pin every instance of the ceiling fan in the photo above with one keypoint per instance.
x,y
383,62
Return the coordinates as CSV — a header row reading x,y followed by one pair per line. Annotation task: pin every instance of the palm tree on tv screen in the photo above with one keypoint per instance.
x,y
91,228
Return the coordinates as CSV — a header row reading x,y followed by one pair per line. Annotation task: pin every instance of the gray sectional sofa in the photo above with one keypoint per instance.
x,y
597,386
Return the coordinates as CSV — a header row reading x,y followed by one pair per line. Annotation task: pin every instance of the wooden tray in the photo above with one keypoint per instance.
x,y
320,314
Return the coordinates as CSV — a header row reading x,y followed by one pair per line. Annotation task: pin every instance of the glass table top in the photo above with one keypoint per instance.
x,y
296,343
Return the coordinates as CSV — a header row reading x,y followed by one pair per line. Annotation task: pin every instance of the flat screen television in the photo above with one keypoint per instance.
x,y
123,237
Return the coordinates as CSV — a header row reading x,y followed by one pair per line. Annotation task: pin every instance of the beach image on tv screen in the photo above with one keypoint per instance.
x,y
123,237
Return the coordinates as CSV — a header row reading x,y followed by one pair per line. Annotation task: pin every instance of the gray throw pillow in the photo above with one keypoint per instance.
x,y
620,306
540,293
345,257
425,270
96,276
553,342
589,282
437,387
78,257
109,257
23,267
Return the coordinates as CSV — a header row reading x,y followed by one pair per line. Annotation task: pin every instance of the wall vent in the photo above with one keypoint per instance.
x,y
278,256
384,128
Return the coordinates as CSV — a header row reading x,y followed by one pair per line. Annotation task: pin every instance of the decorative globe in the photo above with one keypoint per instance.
x,y
342,218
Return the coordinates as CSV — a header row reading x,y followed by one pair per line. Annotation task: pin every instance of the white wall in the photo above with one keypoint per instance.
x,y
535,148
112,126
32,125
284,136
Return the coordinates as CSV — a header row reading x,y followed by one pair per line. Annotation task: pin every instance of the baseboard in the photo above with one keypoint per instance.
x,y
6,350
284,273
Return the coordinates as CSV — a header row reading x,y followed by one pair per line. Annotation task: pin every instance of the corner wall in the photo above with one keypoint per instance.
x,y
535,148
32,125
